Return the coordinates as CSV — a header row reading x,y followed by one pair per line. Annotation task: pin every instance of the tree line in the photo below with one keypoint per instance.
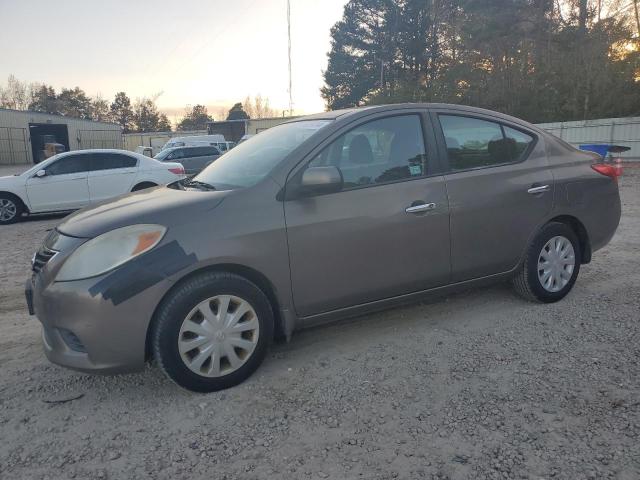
x,y
541,60
134,117
139,116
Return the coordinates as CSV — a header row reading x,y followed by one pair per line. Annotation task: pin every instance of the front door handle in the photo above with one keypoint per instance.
x,y
540,189
423,207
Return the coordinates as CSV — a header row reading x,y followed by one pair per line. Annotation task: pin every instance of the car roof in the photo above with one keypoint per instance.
x,y
362,111
182,147
100,150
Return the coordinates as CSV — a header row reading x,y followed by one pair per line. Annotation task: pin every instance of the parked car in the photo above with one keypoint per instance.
x,y
193,140
245,138
193,159
146,151
71,180
332,215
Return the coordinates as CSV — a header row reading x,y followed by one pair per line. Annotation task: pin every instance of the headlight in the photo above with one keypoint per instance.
x,y
110,250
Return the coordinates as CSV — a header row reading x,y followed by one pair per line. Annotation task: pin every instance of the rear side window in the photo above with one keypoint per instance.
x,y
474,143
522,141
69,164
201,151
380,151
110,161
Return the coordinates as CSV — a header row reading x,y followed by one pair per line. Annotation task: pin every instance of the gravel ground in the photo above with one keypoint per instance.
x,y
478,385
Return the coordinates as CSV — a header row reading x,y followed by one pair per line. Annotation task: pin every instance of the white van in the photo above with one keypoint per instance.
x,y
194,140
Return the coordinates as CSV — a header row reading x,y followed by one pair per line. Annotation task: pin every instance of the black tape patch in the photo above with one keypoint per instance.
x,y
143,272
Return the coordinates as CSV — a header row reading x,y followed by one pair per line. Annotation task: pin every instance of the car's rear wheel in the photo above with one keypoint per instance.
x,y
143,186
10,209
551,264
212,332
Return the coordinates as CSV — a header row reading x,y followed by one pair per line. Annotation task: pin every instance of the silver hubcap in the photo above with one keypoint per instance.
x,y
218,336
556,263
7,209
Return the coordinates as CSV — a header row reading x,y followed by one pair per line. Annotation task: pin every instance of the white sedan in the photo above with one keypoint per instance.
x,y
71,180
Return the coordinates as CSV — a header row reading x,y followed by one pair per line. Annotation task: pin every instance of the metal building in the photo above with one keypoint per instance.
x,y
25,135
615,131
234,130
155,140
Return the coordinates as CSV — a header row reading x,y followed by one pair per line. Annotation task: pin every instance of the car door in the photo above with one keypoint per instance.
x,y
499,186
194,159
63,187
386,233
209,155
111,174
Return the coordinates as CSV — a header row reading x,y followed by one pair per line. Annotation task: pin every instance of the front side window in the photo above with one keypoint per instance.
x,y
380,151
69,164
475,143
252,161
176,154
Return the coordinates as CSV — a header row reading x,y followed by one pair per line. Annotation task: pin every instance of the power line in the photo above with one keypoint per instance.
x,y
289,53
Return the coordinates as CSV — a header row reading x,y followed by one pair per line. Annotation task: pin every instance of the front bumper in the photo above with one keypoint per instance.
x,y
86,331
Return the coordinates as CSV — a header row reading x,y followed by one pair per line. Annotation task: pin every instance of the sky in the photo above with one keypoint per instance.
x,y
211,52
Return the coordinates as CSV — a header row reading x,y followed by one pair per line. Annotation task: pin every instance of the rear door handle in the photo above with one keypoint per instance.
x,y
423,207
540,189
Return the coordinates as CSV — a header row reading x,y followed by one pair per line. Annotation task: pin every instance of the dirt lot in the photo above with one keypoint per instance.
x,y
479,385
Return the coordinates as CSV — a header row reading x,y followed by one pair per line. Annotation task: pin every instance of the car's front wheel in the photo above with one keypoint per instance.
x,y
551,264
212,332
10,209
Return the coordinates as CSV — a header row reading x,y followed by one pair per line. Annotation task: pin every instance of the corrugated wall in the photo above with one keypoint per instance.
x,y
257,125
15,143
615,131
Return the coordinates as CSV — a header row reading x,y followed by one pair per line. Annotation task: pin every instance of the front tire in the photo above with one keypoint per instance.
x,y
551,264
11,209
212,332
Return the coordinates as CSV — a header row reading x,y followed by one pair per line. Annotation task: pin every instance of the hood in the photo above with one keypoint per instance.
x,y
160,205
5,179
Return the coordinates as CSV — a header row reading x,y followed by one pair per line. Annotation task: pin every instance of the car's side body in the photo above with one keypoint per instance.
x,y
193,158
324,257
78,178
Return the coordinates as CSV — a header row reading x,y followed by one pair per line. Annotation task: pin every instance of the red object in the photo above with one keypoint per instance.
x,y
618,166
177,170
607,169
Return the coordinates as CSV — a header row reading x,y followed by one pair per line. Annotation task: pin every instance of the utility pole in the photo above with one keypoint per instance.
x,y
289,53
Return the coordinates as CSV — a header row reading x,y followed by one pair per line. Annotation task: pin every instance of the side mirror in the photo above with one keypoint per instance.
x,y
41,173
319,181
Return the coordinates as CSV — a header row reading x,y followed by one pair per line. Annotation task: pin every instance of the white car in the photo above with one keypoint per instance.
x,y
71,180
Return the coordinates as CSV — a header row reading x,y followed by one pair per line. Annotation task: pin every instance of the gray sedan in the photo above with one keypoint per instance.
x,y
193,159
332,215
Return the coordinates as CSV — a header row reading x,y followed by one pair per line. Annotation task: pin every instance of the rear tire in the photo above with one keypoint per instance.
x,y
143,186
11,209
551,265
212,332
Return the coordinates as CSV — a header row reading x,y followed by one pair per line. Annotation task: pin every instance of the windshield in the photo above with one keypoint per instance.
x,y
252,160
43,164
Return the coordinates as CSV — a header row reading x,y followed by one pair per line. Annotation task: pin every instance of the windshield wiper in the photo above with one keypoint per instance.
x,y
199,184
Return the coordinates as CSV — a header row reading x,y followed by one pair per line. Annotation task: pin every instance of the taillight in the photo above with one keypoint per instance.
x,y
177,170
613,171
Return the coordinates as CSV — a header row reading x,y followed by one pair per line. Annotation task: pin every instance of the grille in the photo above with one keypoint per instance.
x,y
41,258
